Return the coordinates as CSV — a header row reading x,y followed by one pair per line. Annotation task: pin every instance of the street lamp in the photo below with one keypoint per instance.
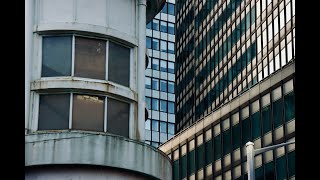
x,y
251,152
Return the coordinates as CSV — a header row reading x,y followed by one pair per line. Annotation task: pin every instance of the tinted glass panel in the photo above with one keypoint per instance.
x,y
56,56
246,131
90,58
170,128
289,106
163,105
170,28
281,166
176,170
171,9
217,147
119,63
183,166
88,113
208,149
226,142
266,119
170,67
199,156
54,112
277,113
155,104
236,136
118,117
170,87
170,107
256,125
191,162
163,86
163,127
269,170
148,39
292,163
259,173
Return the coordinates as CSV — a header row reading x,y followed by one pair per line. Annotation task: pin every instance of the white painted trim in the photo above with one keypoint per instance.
x,y
73,54
70,110
105,120
107,60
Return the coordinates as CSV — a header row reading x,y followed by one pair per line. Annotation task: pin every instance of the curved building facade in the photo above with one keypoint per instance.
x,y
84,90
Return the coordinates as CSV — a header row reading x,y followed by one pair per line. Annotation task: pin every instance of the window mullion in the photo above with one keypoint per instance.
x,y
73,55
70,111
107,57
105,113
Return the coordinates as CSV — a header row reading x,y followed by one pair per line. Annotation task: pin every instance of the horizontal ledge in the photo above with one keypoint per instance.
x,y
83,84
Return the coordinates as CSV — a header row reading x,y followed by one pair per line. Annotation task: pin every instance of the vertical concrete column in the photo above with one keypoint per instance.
x,y
29,21
142,4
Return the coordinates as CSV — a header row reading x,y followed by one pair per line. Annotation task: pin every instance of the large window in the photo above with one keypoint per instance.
x,y
56,56
90,59
87,112
54,112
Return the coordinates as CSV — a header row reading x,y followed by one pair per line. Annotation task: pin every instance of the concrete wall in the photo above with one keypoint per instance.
x,y
63,172
85,148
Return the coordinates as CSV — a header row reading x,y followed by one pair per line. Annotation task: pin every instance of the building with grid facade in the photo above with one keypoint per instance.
x,y
85,90
160,78
235,74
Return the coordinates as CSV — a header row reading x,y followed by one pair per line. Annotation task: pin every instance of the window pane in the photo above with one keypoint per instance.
x,y
163,66
226,142
148,39
292,163
118,117
277,113
176,170
170,47
155,125
155,84
170,28
54,112
208,146
184,166
246,131
56,56
163,105
266,119
199,156
119,63
163,127
148,101
259,173
289,106
281,167
191,162
165,8
217,147
149,25
170,128
155,44
236,136
155,64
256,125
163,45
148,126
170,87
163,86
90,58
170,9
170,67
88,113
148,83
170,107
155,104
163,26
269,170
155,25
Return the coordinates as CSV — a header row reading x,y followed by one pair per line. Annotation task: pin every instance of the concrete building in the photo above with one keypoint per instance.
x,y
160,77
235,75
85,90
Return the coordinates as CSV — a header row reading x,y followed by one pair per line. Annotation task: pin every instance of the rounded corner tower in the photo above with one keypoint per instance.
x,y
84,90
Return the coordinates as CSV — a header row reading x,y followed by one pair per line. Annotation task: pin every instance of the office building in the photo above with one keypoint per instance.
x,y
160,77
85,90
235,75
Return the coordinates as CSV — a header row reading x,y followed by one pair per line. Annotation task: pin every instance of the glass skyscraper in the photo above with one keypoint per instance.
x,y
160,77
235,83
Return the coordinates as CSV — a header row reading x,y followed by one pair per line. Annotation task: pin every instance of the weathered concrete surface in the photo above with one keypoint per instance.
x,y
86,148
